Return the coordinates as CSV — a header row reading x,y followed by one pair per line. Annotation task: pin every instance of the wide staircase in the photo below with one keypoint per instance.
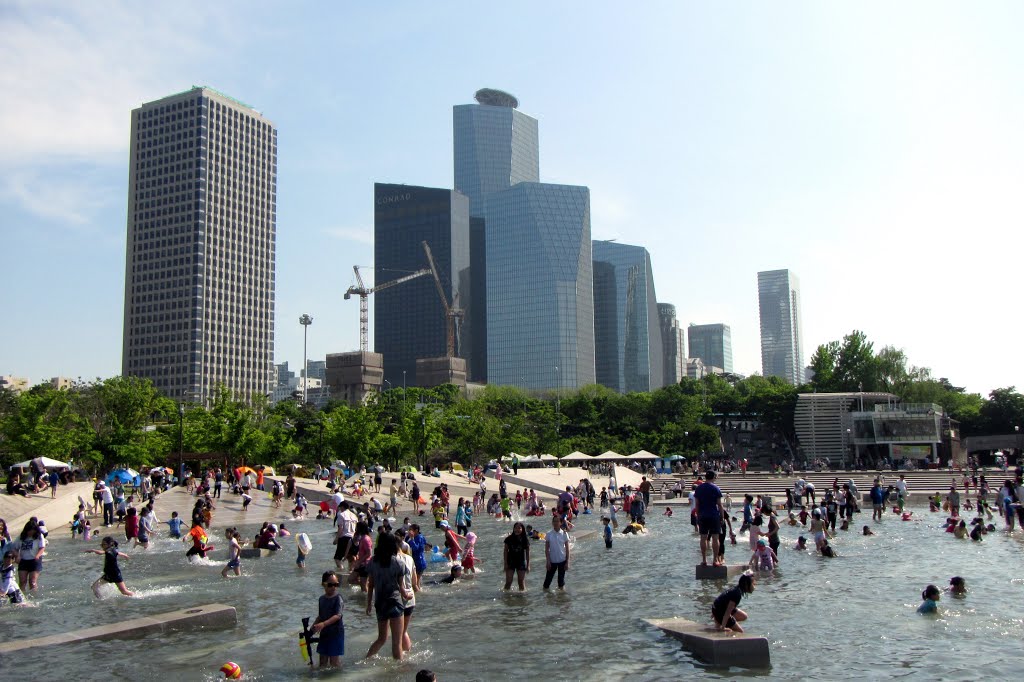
x,y
762,483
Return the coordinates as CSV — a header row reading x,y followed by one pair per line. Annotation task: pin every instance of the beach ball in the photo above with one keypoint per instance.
x,y
231,670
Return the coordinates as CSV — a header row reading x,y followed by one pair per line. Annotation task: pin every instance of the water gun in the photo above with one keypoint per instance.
x,y
306,641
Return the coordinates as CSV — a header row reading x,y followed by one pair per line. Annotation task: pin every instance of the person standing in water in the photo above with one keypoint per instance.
x,y
556,553
516,554
709,512
234,552
930,600
111,571
328,623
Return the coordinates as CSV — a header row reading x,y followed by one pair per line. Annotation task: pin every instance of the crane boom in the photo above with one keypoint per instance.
x,y
363,293
452,312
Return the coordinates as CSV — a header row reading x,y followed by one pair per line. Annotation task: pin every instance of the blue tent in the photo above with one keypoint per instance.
x,y
125,476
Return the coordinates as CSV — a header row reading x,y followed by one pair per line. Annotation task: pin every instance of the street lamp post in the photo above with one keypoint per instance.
x,y
305,321
181,454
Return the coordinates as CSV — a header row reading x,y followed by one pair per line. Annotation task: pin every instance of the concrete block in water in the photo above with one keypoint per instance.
x,y
255,553
717,647
719,572
206,616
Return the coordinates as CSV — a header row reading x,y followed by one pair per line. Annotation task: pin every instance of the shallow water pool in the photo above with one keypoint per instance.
x,y
849,617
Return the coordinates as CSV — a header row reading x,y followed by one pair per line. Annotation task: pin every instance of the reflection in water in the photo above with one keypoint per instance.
x,y
852,617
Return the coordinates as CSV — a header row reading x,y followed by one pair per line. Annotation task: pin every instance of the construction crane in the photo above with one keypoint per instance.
x,y
452,312
363,293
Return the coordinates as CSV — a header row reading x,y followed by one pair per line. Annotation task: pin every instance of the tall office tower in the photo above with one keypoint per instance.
x,y
627,334
712,343
409,318
673,344
496,146
540,298
199,269
781,336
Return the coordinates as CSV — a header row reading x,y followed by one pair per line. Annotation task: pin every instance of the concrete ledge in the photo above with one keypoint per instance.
x,y
719,572
586,534
208,616
714,646
256,553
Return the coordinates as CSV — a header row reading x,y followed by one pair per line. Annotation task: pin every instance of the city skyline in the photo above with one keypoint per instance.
x,y
838,164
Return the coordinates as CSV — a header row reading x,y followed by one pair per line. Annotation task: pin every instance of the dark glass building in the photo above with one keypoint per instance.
x,y
540,299
712,343
409,318
673,344
627,333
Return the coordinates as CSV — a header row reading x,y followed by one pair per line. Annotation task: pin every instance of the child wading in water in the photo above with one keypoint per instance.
x,y
931,596
234,552
328,622
111,571
8,585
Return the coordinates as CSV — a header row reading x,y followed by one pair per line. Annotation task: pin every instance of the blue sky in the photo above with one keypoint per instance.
x,y
873,148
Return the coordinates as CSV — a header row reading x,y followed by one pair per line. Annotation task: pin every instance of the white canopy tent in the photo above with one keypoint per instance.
x,y
548,458
643,454
610,454
577,457
46,462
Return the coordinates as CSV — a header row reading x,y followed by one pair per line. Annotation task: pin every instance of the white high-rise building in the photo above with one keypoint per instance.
x,y
199,269
781,336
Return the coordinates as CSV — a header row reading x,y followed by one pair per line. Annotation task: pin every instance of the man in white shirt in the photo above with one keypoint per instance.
x,y
346,530
556,553
901,486
107,498
335,504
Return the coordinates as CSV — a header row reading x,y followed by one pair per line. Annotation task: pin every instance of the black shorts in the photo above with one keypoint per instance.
x,y
30,565
709,525
112,578
409,610
341,551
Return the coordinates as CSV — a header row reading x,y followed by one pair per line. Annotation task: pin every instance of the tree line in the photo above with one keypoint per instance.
x,y
126,421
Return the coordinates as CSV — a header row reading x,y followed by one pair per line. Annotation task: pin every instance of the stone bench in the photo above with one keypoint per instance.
x,y
206,616
719,572
714,646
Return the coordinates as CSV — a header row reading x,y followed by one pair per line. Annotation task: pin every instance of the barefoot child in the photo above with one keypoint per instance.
x,y
725,611
328,622
234,552
469,560
111,571
8,585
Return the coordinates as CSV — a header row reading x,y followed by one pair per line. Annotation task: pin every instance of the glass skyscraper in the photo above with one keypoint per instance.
x,y
409,318
781,334
540,299
673,344
712,343
199,270
627,332
496,146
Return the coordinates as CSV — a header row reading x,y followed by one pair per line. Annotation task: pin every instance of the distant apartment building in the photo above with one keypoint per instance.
x,y
13,383
199,270
712,343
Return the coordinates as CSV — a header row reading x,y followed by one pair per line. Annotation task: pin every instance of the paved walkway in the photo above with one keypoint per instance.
x,y
17,510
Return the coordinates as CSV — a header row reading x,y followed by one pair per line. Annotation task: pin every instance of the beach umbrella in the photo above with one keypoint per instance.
x,y
246,470
338,464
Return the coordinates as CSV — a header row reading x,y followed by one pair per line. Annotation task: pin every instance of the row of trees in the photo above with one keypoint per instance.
x,y
125,421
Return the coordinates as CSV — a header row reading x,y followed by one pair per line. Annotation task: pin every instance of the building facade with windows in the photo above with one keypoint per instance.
x,y
712,343
540,299
628,349
781,330
199,270
673,344
409,318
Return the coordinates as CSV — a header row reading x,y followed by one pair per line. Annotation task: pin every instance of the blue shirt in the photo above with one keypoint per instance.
x,y
877,496
417,545
175,526
608,532
707,495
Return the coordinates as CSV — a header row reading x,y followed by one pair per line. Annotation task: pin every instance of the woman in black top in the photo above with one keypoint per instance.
x,y
517,556
725,611
111,571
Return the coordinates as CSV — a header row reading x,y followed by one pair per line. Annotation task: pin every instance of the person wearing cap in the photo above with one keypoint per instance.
x,y
107,499
763,557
